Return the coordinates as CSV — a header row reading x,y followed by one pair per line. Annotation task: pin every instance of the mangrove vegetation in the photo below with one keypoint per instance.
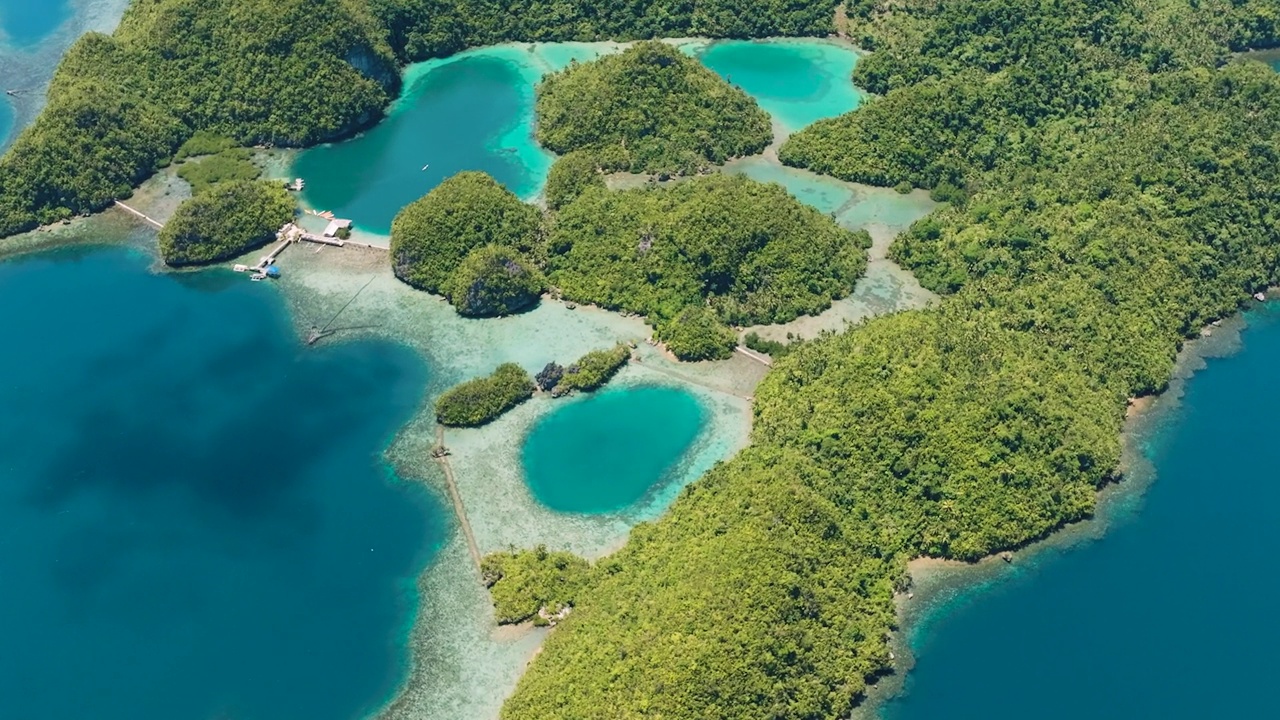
x,y
533,584
226,166
594,369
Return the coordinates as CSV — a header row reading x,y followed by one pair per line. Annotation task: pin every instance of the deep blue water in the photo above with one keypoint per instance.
x,y
195,520
1172,614
26,22
604,452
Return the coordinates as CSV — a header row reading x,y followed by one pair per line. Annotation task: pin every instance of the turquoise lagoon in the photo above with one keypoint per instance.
x,y
1171,613
463,113
26,22
796,81
605,452
195,519
471,111
475,111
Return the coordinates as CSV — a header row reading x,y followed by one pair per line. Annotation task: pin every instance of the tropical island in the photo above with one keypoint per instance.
x,y
1108,194
649,109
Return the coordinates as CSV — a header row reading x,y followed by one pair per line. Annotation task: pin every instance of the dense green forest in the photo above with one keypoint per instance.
x,y
649,109
225,221
1113,180
570,176
593,370
291,72
492,281
483,400
533,584
432,236
750,250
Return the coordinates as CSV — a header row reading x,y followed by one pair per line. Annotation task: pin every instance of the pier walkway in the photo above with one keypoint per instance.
x,y
150,220
459,509
754,356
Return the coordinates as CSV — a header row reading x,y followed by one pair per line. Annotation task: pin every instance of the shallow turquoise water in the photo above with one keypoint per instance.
x,y
475,111
796,81
607,451
470,112
26,22
1172,614
6,121
194,520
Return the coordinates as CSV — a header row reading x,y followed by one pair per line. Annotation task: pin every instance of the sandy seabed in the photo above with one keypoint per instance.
x,y
462,665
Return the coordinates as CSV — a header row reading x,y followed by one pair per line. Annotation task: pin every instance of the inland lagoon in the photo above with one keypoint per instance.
x,y
469,112
195,519
1164,608
606,451
475,111
797,81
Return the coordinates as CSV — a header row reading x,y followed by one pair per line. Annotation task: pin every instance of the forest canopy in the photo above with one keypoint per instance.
x,y
650,108
1112,182
492,281
224,222
749,249
291,73
431,236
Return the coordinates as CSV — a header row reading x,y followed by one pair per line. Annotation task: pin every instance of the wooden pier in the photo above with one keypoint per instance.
x,y
441,456
754,356
149,220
